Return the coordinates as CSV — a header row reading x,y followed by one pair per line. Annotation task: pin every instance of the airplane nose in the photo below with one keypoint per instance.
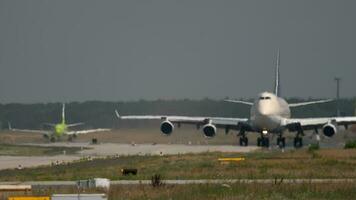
x,y
262,109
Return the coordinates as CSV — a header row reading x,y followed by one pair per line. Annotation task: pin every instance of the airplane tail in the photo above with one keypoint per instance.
x,y
277,86
63,113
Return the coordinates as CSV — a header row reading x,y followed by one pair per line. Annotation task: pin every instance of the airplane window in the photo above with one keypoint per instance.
x,y
264,98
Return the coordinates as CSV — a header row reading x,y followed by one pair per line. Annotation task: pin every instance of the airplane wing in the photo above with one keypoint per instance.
x,y
30,131
313,123
88,131
221,122
292,105
239,101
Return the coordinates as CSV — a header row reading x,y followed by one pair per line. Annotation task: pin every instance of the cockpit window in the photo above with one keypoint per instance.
x,y
265,98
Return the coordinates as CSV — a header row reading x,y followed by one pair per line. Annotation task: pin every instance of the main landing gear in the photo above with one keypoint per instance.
x,y
71,137
263,140
281,142
298,142
243,139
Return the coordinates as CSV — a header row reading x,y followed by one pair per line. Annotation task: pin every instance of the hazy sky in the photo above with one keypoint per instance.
x,y
128,50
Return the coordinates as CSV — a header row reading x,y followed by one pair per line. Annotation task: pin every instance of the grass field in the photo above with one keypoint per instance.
x,y
28,150
215,191
325,163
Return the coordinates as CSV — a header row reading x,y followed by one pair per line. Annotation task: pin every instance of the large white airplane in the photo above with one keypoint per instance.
x,y
269,114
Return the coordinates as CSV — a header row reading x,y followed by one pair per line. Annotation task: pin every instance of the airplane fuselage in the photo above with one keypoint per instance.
x,y
60,130
268,112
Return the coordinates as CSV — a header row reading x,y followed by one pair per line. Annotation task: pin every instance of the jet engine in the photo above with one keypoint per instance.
x,y
167,127
329,130
209,130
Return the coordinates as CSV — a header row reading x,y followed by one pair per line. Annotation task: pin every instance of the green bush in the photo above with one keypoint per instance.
x,y
314,147
350,144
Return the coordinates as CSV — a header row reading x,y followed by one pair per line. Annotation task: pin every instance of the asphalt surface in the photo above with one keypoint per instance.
x,y
111,149
7,162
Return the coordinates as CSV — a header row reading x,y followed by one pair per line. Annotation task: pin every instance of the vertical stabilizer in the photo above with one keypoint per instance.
x,y
63,113
277,80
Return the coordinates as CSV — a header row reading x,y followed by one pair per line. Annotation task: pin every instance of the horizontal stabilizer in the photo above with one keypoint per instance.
x,y
49,124
76,124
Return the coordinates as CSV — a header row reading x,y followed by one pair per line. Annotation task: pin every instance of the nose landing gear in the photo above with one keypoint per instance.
x,y
263,141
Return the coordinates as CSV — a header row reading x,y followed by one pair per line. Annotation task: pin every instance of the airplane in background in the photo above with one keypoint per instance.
x,y
60,129
269,114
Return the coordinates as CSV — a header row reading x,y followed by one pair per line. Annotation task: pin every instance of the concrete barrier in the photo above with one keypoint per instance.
x,y
5,188
29,198
79,196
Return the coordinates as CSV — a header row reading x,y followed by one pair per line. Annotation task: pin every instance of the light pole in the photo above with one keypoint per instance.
x,y
337,79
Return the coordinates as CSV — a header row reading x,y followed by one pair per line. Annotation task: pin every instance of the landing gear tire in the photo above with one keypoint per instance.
x,y
70,139
243,141
281,142
53,139
298,142
259,141
263,142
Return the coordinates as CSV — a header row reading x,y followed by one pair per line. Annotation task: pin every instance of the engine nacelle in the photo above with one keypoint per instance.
x,y
209,130
167,127
329,130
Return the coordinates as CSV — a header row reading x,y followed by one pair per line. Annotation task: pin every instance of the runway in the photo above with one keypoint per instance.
x,y
111,149
161,149
8,162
